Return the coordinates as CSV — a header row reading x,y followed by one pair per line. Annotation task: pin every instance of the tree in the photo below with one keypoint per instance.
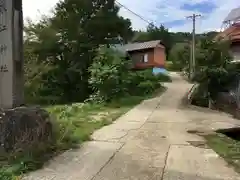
x,y
140,36
180,37
212,54
155,33
180,56
68,42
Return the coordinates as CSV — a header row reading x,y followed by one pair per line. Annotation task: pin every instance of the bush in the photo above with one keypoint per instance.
x,y
111,78
173,66
144,82
164,78
200,97
179,57
106,72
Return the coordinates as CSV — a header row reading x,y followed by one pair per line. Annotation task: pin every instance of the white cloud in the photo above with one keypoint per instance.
x,y
162,11
158,11
212,21
35,8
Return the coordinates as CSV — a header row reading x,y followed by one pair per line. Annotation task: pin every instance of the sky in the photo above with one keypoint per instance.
x,y
170,13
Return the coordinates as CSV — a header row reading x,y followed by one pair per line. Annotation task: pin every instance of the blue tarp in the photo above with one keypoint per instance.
x,y
157,70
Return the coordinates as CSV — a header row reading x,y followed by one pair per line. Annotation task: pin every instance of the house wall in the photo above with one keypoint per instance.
x,y
138,57
235,51
156,58
159,56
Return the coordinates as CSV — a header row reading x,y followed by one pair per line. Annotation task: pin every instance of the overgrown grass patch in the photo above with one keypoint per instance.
x,y
226,147
73,124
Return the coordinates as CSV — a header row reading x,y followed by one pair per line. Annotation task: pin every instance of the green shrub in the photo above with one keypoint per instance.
x,y
147,82
111,78
200,97
174,66
106,72
6,175
164,78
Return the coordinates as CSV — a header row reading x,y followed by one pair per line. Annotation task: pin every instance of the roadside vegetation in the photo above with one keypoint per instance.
x,y
226,147
213,71
73,125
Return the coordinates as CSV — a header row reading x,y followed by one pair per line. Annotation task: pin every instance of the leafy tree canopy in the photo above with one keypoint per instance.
x,y
68,41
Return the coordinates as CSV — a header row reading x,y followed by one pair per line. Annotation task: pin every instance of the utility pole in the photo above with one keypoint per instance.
x,y
192,57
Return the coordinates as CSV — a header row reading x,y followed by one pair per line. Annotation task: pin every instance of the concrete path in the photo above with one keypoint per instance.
x,y
150,142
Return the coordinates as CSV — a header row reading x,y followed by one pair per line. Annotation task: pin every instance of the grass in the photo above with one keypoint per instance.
x,y
226,147
73,124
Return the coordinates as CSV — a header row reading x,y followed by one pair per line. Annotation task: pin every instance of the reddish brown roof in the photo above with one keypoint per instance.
x,y
232,33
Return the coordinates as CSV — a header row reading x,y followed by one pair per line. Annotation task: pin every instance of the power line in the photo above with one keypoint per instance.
x,y
142,18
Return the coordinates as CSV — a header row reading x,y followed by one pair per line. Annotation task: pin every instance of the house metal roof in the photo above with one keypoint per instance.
x,y
138,46
234,15
143,45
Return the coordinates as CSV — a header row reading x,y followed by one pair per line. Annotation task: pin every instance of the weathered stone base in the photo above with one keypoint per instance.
x,y
24,127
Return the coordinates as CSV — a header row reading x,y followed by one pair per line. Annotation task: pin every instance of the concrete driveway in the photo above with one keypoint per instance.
x,y
150,142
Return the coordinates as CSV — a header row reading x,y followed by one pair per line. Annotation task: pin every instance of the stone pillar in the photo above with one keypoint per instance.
x,y
11,53
18,62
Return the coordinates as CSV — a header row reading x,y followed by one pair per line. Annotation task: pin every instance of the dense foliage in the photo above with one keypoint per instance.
x,y
111,77
212,65
170,39
210,56
179,57
155,33
59,50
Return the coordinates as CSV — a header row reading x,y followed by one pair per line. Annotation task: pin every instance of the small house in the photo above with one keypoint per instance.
x,y
145,55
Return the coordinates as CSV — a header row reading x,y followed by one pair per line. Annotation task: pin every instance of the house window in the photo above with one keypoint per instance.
x,y
145,58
